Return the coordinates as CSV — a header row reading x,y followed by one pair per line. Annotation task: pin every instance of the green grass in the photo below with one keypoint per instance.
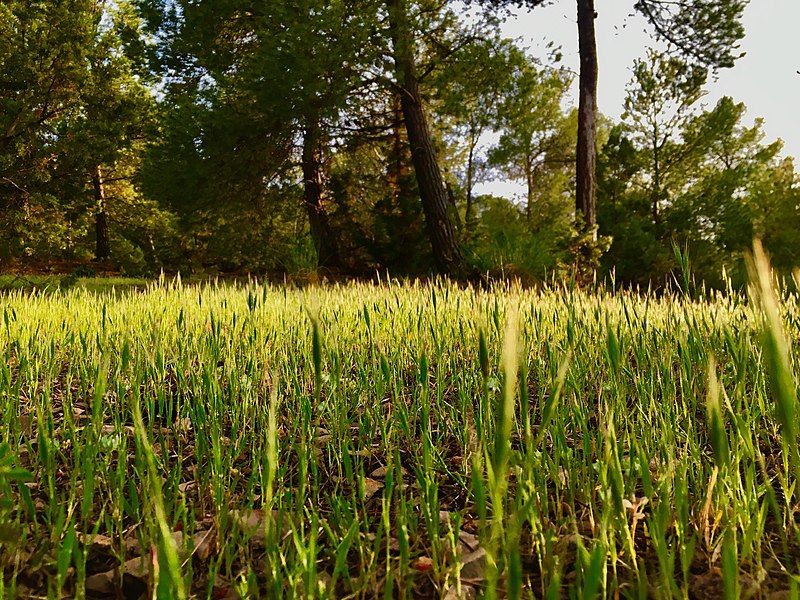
x,y
397,441
45,283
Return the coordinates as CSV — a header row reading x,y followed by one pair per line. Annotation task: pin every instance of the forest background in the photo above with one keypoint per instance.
x,y
343,137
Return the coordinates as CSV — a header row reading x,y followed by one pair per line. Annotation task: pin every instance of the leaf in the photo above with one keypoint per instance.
x,y
371,487
65,552
716,422
474,565
252,523
203,544
342,551
460,592
423,564
594,572
18,474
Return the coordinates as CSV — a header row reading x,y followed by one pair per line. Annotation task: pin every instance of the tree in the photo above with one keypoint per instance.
x,y
720,185
76,106
533,128
705,31
774,198
116,115
273,81
716,204
586,147
469,92
42,69
659,105
430,182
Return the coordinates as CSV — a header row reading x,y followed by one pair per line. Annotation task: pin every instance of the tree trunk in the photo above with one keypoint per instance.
x,y
529,203
586,202
451,200
656,185
469,218
324,241
102,244
423,154
397,171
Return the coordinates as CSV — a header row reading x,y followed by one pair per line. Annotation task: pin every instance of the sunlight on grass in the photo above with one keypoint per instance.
x,y
403,440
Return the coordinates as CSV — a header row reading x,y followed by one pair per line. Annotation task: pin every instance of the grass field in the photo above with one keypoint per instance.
x,y
51,283
397,440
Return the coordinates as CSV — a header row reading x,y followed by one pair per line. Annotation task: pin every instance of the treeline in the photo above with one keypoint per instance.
x,y
351,135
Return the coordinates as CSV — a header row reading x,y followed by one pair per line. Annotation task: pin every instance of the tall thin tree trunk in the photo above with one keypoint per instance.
x,y
102,244
469,210
451,200
432,190
586,158
656,186
529,204
324,240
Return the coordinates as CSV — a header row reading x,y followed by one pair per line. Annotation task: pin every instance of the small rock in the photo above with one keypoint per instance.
x,y
100,541
103,583
137,567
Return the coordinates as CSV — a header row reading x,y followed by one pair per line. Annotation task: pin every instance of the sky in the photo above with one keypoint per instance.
x,y
766,79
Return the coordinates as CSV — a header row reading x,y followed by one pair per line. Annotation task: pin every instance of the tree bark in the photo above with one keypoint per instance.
x,y
397,171
102,244
656,184
451,200
469,217
529,203
324,240
432,190
586,158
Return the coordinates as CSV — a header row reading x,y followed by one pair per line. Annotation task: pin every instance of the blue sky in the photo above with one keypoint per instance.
x,y
765,79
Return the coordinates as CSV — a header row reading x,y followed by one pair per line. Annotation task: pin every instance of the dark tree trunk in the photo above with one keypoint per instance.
x,y
451,200
469,217
586,203
397,172
432,190
102,244
324,240
529,181
656,186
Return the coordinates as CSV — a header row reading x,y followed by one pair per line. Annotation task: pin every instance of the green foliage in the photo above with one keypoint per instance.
x,y
706,31
537,141
75,104
674,174
182,126
10,474
504,242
